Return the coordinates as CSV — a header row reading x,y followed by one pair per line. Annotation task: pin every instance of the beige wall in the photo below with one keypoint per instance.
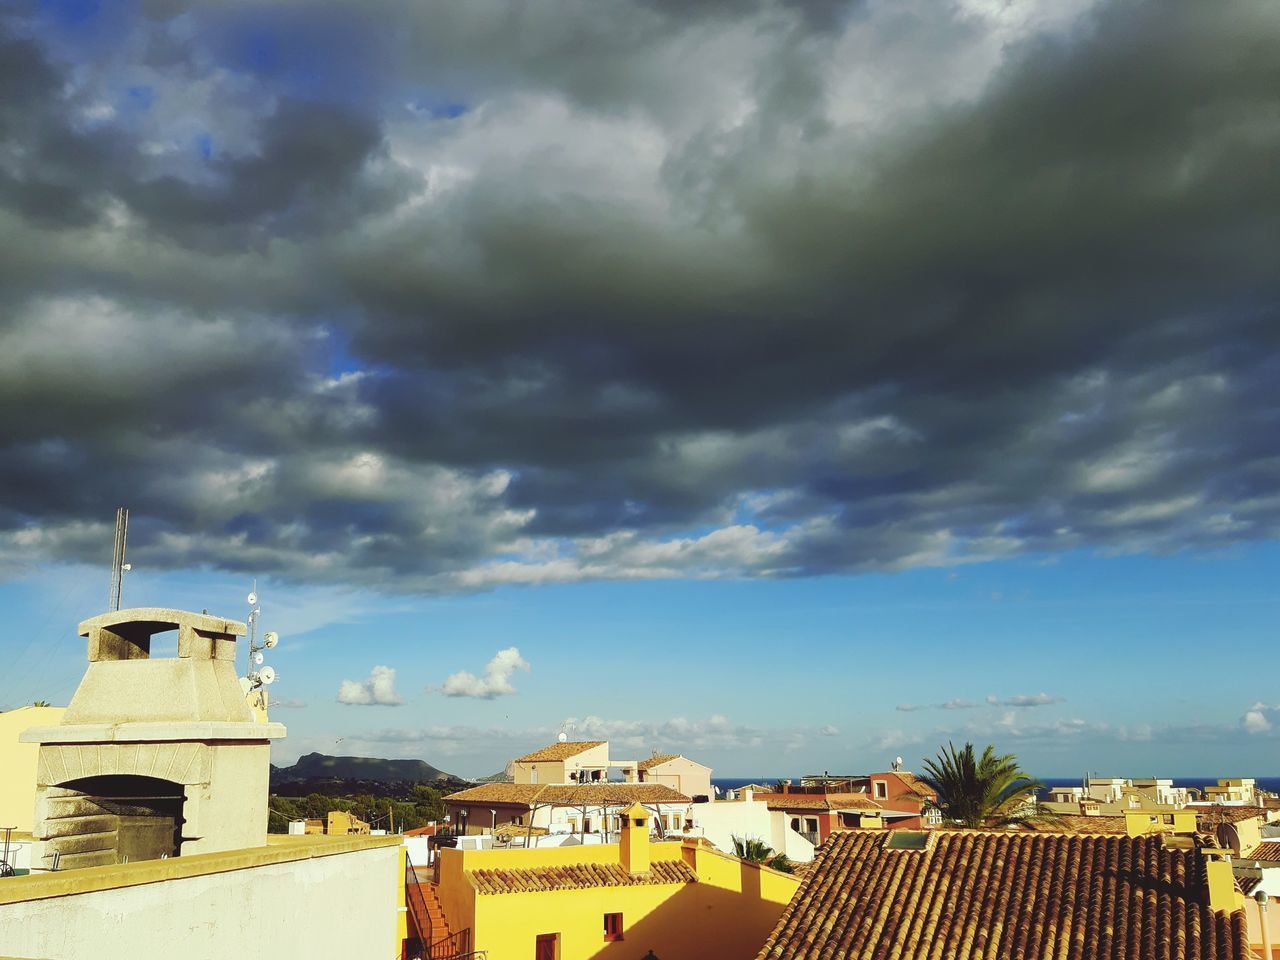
x,y
18,761
341,905
690,778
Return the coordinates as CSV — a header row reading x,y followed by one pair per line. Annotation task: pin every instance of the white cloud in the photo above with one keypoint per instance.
x,y
829,731
379,689
1041,699
1258,718
496,681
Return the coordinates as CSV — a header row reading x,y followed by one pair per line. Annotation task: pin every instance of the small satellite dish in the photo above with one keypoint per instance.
x,y
267,675
898,761
257,658
253,597
562,737
270,639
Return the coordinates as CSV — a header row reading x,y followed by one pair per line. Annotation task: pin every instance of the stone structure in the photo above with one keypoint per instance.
x,y
153,757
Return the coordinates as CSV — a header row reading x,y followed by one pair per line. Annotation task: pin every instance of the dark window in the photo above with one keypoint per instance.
x,y
882,789
613,926
547,946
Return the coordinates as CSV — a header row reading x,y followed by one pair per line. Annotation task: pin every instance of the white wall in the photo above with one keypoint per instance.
x,y
343,905
722,820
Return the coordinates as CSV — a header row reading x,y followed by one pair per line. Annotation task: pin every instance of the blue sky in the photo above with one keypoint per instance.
x,y
791,383
1151,663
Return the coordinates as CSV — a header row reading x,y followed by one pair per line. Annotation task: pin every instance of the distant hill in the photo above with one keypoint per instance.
x,y
318,766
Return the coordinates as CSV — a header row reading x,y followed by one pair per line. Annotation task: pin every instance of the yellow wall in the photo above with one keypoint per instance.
x,y
1138,822
727,914
18,761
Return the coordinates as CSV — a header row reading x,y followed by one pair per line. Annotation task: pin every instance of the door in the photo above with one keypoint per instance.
x,y
547,947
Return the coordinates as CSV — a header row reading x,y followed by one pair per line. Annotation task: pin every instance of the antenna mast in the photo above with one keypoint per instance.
x,y
118,566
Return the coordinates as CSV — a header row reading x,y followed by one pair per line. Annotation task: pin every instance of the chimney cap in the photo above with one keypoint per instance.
x,y
153,620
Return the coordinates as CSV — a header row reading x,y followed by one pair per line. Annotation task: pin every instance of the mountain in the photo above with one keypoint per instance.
x,y
318,766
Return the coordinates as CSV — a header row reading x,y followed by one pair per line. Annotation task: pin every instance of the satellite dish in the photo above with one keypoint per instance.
x,y
898,761
267,675
562,737
257,658
253,597
270,639
245,685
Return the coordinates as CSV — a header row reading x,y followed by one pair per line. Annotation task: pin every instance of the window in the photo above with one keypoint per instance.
x,y
795,824
882,789
613,926
1167,818
533,774
811,824
586,825
520,820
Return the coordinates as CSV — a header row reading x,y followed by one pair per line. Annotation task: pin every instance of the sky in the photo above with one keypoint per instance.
x,y
794,384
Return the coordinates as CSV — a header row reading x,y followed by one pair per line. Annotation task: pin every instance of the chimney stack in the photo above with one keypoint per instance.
x,y
634,842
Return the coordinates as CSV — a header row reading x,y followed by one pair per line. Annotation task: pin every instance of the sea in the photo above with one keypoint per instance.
x,y
1264,783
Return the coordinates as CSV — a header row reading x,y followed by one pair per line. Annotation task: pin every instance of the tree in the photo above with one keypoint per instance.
x,y
755,850
986,791
41,703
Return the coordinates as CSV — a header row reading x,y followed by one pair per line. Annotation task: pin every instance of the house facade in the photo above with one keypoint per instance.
x,y
686,776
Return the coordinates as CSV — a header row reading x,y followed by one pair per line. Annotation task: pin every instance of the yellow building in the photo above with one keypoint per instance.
x,y
18,764
339,823
1139,823
677,900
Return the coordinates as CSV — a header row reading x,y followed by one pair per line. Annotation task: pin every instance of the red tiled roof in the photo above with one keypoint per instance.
x,y
560,751
982,894
569,795
657,760
1226,813
578,876
1268,851
1080,823
819,801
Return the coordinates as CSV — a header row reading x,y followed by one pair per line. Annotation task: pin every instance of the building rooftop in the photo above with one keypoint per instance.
x,y
578,876
569,795
1081,823
1268,851
820,801
1227,813
915,784
560,751
656,760
985,894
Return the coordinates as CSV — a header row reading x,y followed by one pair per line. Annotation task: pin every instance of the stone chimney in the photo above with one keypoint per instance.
x,y
153,757
634,842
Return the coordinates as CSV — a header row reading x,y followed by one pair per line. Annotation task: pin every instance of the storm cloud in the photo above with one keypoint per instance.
x,y
449,296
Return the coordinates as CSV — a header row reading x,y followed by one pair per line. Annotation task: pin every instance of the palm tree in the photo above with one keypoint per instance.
x,y
755,850
41,703
982,791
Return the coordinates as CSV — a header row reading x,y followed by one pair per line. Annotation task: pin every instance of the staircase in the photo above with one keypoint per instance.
x,y
423,900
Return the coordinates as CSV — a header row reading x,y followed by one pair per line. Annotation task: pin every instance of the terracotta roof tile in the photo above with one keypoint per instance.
x,y
656,760
1224,813
1081,823
578,876
512,793
569,795
560,751
983,894
1267,851
819,801
610,794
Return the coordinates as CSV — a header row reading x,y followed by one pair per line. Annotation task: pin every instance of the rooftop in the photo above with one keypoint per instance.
x,y
578,876
820,801
1268,851
657,760
560,751
985,894
568,795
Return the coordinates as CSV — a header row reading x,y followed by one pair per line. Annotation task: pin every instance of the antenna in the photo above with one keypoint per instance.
x,y
258,676
118,567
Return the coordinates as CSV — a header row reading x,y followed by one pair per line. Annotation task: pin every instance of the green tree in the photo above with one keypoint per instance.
x,y
755,850
987,791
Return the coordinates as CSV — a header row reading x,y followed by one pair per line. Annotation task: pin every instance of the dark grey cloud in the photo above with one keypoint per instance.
x,y
496,294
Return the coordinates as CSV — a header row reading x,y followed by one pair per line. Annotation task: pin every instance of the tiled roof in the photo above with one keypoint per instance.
x,y
1268,851
1080,823
610,793
1248,884
1225,813
981,894
656,760
914,784
820,801
516,793
578,876
569,795
560,751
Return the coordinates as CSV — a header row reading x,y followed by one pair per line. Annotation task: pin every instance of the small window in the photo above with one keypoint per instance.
x,y
1168,818
882,789
811,825
613,926
795,824
520,821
